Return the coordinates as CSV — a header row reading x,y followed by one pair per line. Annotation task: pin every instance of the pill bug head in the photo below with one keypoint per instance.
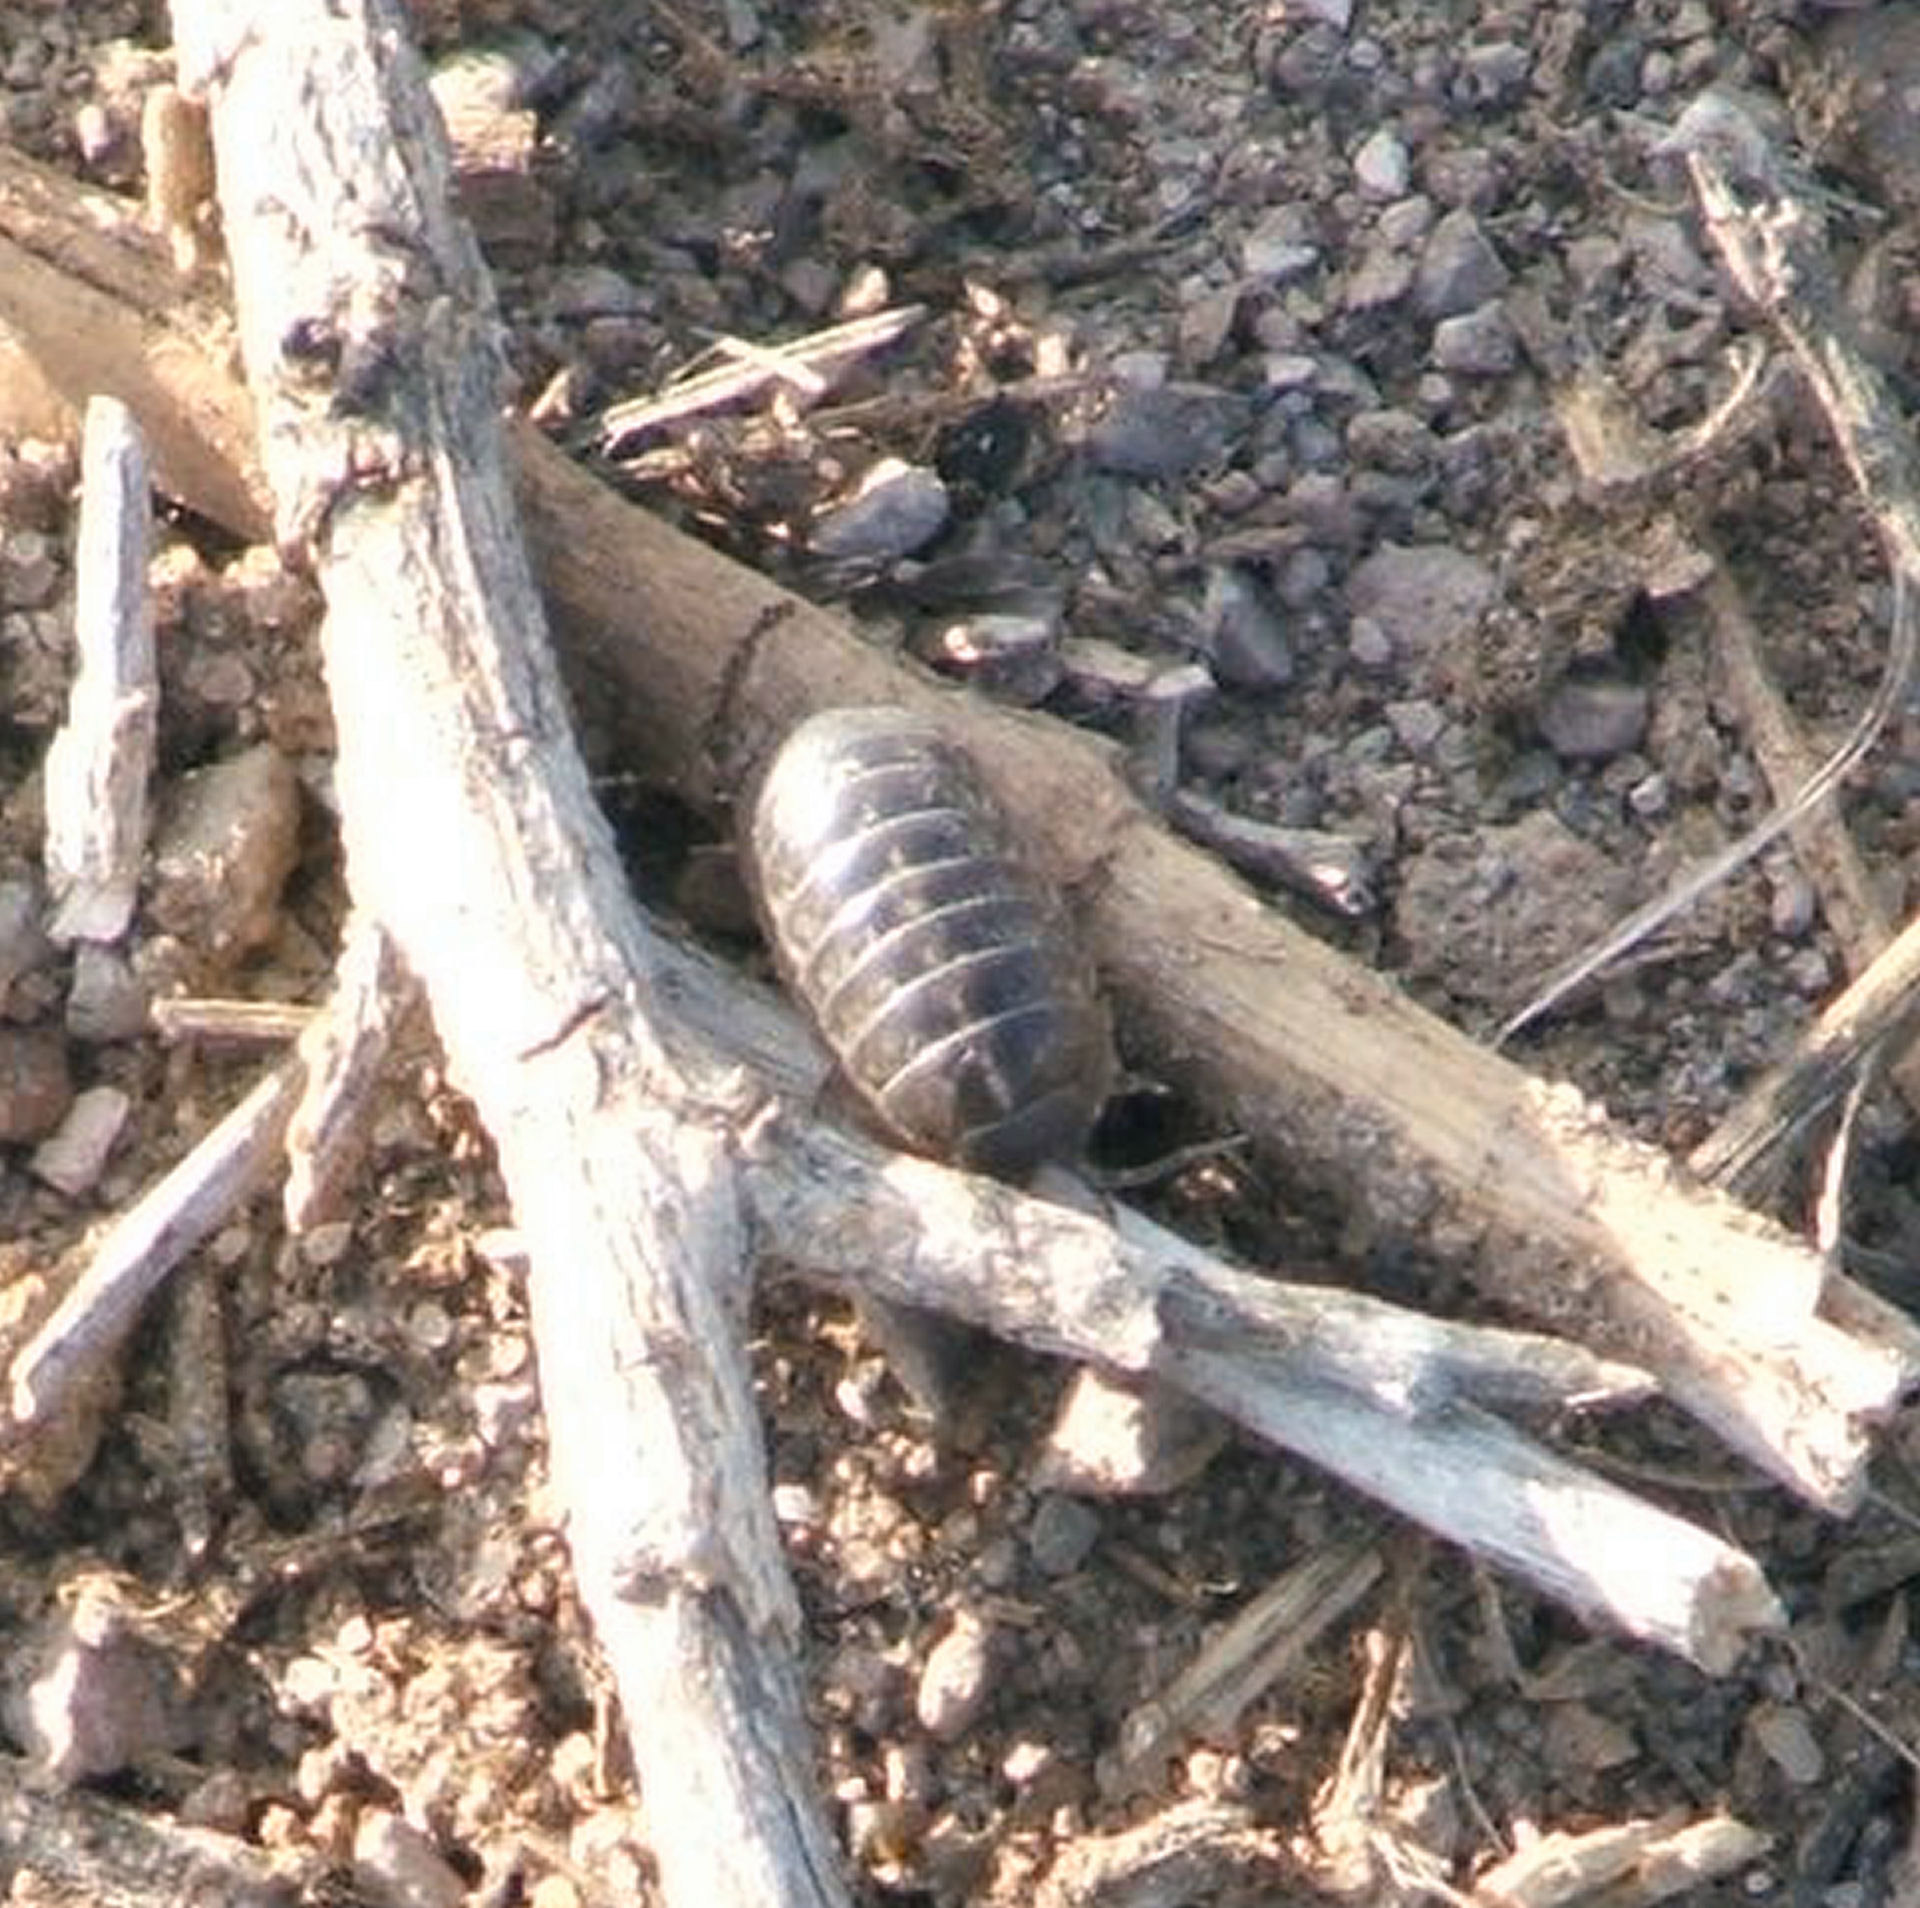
x,y
933,963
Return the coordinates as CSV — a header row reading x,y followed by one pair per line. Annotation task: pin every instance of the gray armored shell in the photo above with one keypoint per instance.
x,y
930,960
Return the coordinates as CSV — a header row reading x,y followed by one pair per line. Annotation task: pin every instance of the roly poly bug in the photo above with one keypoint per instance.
x,y
931,961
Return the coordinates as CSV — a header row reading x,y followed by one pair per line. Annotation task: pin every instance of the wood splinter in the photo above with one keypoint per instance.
x,y
101,762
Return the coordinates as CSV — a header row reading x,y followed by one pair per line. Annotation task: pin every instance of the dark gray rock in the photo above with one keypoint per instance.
x,y
1589,719
1390,439
1245,639
594,292
1494,74
1478,343
1383,276
1422,597
1063,1532
1165,431
24,945
1459,269
1283,243
898,509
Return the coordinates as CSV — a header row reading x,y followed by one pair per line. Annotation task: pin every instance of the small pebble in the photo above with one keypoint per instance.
x,y
36,1088
1368,644
29,570
1459,269
1785,1735
981,454
1588,719
579,292
326,1244
1381,167
1116,1440
1103,673
72,1158
1523,896
1164,431
388,1454
954,1680
795,1507
710,891
94,133
501,1411
881,1832
1478,343
1390,439
224,852
1417,725
1810,974
1206,323
1245,640
1494,74
1152,525
866,1685
1651,796
1382,276
399,1866
1322,505
911,1772
1303,577
1869,82
1425,598
331,1414
430,1326
1289,371
897,509
106,999
24,945
1062,1534
1794,903
98,1697
221,1800
1406,223
1141,369
1581,1740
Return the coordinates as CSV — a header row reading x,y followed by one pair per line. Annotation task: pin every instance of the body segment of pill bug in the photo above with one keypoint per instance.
x,y
933,964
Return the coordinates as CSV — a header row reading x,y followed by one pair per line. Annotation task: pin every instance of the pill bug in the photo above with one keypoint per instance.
x,y
933,964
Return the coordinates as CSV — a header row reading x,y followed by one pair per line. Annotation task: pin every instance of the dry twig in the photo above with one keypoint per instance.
x,y
499,884
1240,1662
808,365
1631,1864
130,1263
100,763
341,1050
1881,1008
1396,1404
